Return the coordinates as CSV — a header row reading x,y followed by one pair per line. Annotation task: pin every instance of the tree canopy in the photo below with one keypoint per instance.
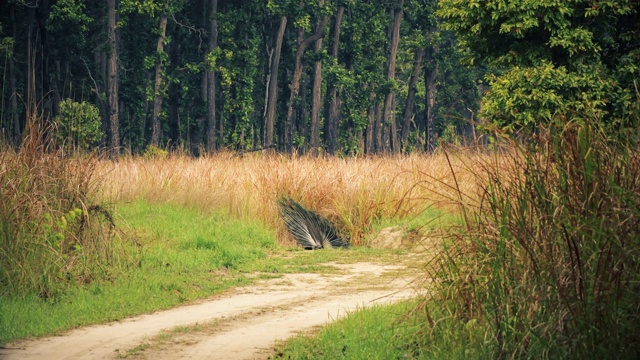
x,y
576,57
328,75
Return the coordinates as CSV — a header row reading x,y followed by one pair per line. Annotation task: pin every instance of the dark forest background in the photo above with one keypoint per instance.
x,y
330,76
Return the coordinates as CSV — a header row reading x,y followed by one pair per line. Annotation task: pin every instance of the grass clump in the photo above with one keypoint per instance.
x,y
548,264
52,233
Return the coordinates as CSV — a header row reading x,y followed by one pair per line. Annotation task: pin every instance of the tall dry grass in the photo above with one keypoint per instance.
x,y
353,192
548,262
52,232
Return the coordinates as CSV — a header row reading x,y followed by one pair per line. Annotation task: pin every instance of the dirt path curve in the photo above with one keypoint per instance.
x,y
243,323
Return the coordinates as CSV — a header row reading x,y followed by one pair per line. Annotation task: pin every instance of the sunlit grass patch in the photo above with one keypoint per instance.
x,y
378,332
352,192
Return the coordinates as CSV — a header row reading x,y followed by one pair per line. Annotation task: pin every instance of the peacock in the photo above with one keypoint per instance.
x,y
310,230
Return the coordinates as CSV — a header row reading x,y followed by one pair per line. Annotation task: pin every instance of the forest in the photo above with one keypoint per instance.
x,y
498,138
337,77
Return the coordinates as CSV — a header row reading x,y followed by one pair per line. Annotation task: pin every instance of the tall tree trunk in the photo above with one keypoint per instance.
x,y
369,136
12,84
100,60
411,98
389,109
272,91
157,85
211,80
316,94
112,80
430,75
173,100
199,138
378,145
333,114
297,74
29,73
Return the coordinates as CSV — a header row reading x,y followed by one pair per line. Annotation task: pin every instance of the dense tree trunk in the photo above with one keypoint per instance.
x,y
157,85
297,74
389,108
411,98
199,137
316,95
333,113
378,145
430,75
272,90
211,80
29,73
112,80
12,85
369,146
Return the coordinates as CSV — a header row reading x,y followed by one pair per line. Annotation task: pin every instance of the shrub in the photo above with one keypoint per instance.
x,y
78,125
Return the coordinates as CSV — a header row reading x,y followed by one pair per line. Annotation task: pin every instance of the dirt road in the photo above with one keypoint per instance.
x,y
243,323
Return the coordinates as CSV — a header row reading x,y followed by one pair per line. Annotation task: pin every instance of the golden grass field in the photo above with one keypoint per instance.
x,y
353,190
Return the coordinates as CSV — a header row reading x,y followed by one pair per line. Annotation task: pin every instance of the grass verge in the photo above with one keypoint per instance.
x,y
182,254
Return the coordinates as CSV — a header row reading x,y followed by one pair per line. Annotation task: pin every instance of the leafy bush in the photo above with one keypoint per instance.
x,y
78,125
154,152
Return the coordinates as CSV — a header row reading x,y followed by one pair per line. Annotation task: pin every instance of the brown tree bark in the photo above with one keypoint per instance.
x,y
29,73
297,74
12,84
333,113
112,80
157,91
211,80
272,91
316,94
378,144
430,75
369,146
411,98
389,109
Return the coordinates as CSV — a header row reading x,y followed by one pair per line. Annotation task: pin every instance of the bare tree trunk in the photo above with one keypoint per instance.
x,y
297,74
389,109
112,79
272,91
377,129
12,85
430,76
369,133
411,98
29,74
211,81
200,137
332,119
157,91
316,94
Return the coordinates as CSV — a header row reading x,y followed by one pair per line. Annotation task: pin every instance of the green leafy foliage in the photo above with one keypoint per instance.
x,y
572,57
78,124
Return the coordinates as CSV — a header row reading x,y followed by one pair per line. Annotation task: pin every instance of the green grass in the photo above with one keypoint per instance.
x,y
177,255
378,332
181,256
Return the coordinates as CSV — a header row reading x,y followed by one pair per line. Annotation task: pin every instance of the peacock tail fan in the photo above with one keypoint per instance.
x,y
310,230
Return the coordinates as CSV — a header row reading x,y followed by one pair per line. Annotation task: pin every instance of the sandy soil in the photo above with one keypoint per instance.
x,y
242,323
